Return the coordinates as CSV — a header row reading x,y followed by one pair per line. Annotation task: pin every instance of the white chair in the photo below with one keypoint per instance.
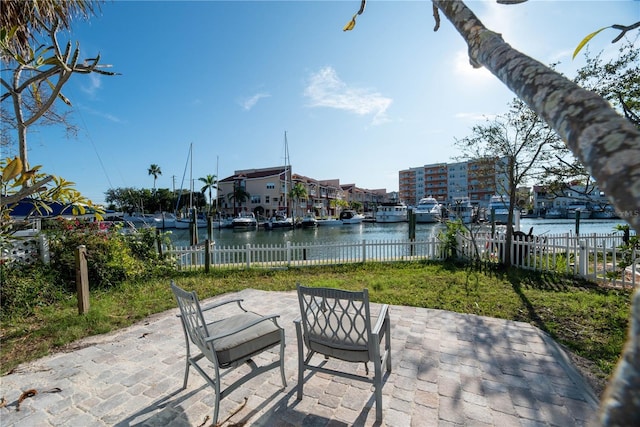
x,y
227,342
338,324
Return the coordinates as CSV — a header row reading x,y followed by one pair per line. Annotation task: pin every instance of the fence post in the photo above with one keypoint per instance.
x,y
584,258
82,279
45,255
248,255
288,253
364,251
207,255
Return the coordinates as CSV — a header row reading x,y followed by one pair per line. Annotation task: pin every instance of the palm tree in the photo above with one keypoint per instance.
x,y
239,195
299,191
30,18
210,183
155,171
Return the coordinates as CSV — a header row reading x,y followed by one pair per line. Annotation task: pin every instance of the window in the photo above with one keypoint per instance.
x,y
266,199
270,186
255,199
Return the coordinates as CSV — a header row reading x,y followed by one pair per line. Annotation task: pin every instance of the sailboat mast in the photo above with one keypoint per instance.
x,y
191,177
286,178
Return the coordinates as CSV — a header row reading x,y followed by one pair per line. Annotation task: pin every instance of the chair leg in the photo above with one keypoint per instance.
x,y
378,388
387,345
300,360
282,345
188,358
216,409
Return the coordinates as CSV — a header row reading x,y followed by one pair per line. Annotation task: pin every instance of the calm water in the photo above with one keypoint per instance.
x,y
375,231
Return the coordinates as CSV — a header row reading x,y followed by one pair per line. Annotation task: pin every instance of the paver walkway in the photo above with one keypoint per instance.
x,y
448,370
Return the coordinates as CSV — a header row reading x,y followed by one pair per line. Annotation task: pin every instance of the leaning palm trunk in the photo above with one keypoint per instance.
x,y
607,143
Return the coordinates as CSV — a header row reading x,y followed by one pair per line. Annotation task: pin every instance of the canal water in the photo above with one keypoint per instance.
x,y
377,231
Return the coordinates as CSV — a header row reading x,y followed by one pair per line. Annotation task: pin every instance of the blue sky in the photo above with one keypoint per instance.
x,y
232,77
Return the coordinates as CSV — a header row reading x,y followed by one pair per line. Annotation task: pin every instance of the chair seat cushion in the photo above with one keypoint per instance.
x,y
246,342
347,342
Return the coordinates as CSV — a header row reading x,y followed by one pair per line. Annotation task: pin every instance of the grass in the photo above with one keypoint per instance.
x,y
590,320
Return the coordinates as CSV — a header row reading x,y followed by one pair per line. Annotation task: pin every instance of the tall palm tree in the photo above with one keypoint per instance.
x,y
299,191
210,183
155,171
239,195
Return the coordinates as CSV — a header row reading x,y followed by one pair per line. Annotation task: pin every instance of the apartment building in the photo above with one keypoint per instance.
x,y
266,193
478,180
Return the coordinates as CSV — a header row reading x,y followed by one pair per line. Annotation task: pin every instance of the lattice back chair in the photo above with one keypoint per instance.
x,y
338,324
226,342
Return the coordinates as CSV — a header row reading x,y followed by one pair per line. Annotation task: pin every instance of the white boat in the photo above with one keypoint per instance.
x,y
349,216
141,220
165,219
328,222
461,209
584,211
428,210
499,209
392,212
554,213
183,223
604,212
280,220
308,221
245,221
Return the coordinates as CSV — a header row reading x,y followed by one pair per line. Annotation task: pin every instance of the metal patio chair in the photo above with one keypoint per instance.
x,y
338,324
227,342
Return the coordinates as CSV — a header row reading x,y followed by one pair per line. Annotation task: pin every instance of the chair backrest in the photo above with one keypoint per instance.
x,y
336,318
192,317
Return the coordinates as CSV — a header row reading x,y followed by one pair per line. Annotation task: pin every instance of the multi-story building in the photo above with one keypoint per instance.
x,y
265,192
478,180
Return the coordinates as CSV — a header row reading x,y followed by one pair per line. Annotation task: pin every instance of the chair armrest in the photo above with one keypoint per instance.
x,y
221,303
381,318
242,328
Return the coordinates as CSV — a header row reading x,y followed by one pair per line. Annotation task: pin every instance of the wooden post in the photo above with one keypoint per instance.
x,y
158,242
82,279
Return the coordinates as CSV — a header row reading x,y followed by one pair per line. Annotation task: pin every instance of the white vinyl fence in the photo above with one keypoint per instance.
x,y
593,256
303,254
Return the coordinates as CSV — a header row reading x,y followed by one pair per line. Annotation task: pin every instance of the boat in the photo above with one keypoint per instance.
x,y
604,212
584,211
280,220
165,219
245,221
327,222
428,210
498,209
309,220
142,220
461,209
554,213
186,221
349,216
392,212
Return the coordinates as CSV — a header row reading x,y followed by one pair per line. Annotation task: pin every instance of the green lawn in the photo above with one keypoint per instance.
x,y
589,320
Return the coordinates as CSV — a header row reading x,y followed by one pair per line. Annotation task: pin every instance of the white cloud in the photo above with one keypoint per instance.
x,y
95,83
462,67
249,103
325,89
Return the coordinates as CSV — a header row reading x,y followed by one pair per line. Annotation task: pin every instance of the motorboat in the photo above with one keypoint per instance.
x,y
278,221
461,209
165,219
245,221
349,216
498,209
578,209
309,220
428,210
604,212
185,222
327,222
554,213
392,212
